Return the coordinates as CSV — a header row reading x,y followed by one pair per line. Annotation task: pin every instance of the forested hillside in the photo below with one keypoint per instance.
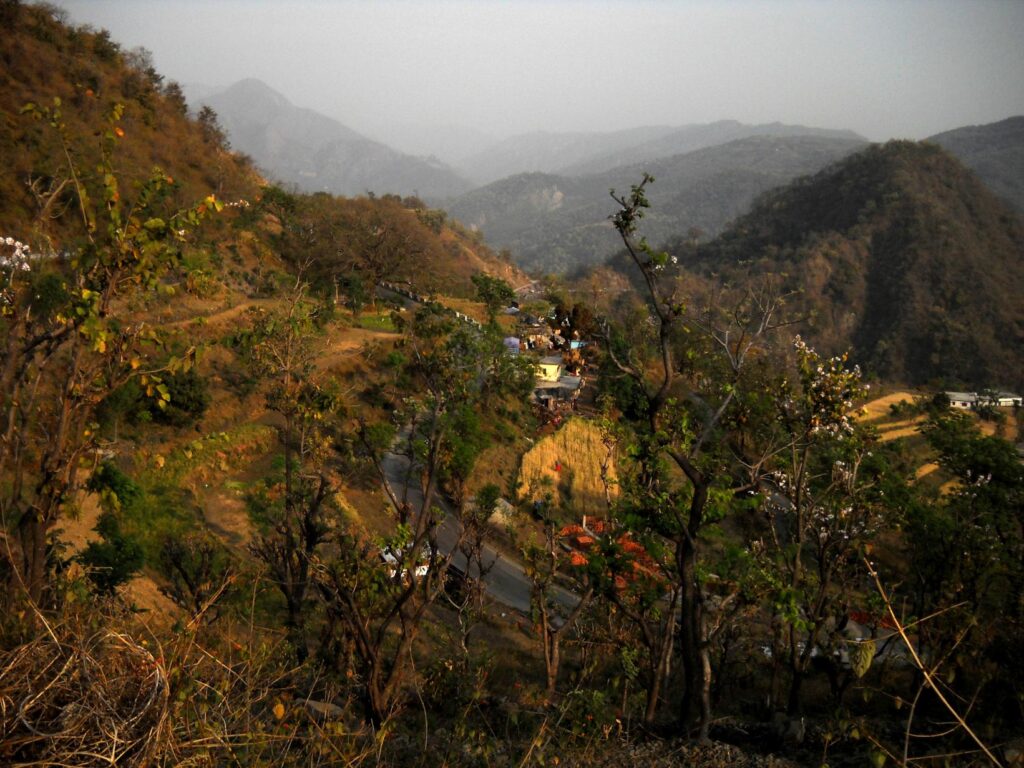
x,y
690,138
900,253
995,152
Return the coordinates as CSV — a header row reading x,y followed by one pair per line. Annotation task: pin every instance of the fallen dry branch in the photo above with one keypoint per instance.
x,y
68,698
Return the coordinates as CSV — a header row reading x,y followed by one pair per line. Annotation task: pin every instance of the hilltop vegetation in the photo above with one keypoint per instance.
x,y
44,60
899,253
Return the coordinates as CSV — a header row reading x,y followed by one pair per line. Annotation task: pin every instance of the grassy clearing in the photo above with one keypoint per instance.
x,y
878,408
568,466
377,322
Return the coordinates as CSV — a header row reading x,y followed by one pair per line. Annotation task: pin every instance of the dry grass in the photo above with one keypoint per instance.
x,y
879,407
495,465
579,453
70,697
895,434
901,424
345,347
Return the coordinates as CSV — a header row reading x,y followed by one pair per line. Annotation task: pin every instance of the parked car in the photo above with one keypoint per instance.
x,y
392,558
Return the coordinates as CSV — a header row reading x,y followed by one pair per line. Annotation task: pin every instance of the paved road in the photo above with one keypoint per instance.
x,y
506,581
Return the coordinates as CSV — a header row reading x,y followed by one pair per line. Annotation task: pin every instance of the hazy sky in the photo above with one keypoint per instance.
x,y
899,68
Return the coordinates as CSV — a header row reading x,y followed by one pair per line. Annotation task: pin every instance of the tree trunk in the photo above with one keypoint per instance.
x,y
552,660
32,536
689,633
795,685
705,691
660,672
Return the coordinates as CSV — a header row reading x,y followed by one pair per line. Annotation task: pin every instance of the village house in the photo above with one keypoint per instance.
x,y
553,386
549,368
970,400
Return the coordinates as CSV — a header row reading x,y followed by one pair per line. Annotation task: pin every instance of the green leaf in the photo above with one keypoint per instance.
x,y
861,656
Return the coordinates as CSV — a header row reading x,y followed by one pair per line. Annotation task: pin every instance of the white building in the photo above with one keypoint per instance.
x,y
991,399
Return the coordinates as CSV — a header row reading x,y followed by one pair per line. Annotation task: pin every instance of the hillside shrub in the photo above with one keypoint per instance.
x,y
112,561
189,398
115,489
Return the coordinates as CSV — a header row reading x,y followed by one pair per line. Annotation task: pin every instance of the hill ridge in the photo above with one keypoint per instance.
x,y
900,252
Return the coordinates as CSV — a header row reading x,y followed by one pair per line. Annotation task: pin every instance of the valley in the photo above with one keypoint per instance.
x,y
317,452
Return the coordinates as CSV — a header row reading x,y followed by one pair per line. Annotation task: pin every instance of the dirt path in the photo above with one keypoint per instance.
x,y
226,515
224,315
78,532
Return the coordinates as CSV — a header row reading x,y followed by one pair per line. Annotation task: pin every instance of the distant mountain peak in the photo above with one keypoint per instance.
x,y
318,153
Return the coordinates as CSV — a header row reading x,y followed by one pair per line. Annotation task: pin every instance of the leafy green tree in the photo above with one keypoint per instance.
x,y
494,292
966,568
355,292
198,570
209,124
823,505
114,559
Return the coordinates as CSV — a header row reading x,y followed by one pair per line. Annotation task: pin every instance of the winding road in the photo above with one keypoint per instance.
x,y
506,581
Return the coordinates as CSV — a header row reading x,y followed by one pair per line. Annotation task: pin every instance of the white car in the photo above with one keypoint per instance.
x,y
391,558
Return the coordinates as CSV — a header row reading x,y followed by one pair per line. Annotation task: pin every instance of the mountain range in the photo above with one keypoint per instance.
x,y
554,223
995,152
319,154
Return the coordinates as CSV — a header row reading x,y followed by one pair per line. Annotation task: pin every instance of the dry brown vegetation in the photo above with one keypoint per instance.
x,y
574,465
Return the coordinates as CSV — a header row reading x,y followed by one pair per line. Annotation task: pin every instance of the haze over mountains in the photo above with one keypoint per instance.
x,y
317,153
550,222
556,223
995,152
584,153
